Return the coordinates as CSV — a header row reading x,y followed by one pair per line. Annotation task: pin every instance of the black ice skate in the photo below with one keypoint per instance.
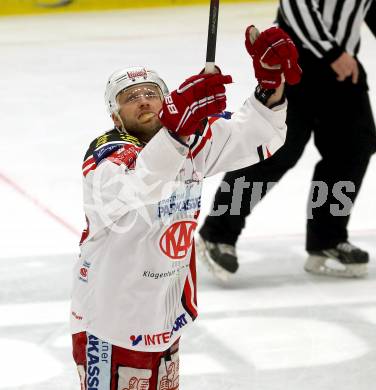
x,y
345,260
220,259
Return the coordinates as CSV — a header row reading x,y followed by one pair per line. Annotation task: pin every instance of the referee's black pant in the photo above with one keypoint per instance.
x,y
339,116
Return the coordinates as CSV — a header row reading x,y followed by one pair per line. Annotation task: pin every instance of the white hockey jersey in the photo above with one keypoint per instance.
x,y
135,281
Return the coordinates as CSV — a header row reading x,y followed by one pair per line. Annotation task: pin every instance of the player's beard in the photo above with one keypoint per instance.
x,y
143,131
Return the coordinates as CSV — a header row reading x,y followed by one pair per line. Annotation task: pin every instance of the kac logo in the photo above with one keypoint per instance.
x,y
177,239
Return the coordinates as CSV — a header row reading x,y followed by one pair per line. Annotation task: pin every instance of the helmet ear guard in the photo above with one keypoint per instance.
x,y
126,78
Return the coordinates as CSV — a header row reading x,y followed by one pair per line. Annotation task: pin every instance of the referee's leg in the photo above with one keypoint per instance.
x,y
346,140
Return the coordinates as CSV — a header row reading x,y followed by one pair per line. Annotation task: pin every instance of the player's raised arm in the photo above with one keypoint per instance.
x,y
258,129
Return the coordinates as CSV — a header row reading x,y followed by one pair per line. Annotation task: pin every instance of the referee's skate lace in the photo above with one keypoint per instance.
x,y
346,247
226,248
344,260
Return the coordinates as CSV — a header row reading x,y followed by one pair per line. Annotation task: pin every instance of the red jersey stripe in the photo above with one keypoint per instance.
x,y
203,142
88,161
189,298
90,168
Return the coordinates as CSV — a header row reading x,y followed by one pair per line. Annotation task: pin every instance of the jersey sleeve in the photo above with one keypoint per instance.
x,y
253,134
131,178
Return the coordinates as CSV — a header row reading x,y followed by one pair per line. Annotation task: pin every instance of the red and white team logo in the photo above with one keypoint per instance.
x,y
137,73
177,239
83,272
126,155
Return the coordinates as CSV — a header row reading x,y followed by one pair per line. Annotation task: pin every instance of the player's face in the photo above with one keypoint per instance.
x,y
139,107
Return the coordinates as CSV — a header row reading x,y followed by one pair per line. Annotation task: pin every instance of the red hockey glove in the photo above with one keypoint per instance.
x,y
273,54
198,97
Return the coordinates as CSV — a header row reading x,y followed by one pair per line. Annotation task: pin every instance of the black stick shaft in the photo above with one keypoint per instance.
x,y
212,36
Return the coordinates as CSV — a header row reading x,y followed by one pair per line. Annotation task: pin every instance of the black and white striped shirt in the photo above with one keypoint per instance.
x,y
328,27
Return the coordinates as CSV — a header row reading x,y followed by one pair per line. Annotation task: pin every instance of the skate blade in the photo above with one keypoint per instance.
x,y
318,265
203,255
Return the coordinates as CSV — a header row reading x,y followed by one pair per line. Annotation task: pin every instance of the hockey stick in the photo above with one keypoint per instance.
x,y
212,36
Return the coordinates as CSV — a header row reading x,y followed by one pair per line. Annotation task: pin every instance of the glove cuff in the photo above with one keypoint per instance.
x,y
262,94
176,137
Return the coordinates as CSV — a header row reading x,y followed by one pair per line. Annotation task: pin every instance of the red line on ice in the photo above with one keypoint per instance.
x,y
38,204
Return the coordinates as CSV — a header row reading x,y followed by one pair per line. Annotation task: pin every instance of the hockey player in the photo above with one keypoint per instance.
x,y
134,289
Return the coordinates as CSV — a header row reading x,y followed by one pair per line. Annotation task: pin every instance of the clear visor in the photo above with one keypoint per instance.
x,y
136,93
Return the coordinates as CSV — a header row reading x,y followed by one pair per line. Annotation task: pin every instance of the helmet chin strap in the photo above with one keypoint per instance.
x,y
122,127
123,130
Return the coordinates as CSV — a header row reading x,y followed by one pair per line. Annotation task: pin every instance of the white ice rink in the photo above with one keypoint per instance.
x,y
274,327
